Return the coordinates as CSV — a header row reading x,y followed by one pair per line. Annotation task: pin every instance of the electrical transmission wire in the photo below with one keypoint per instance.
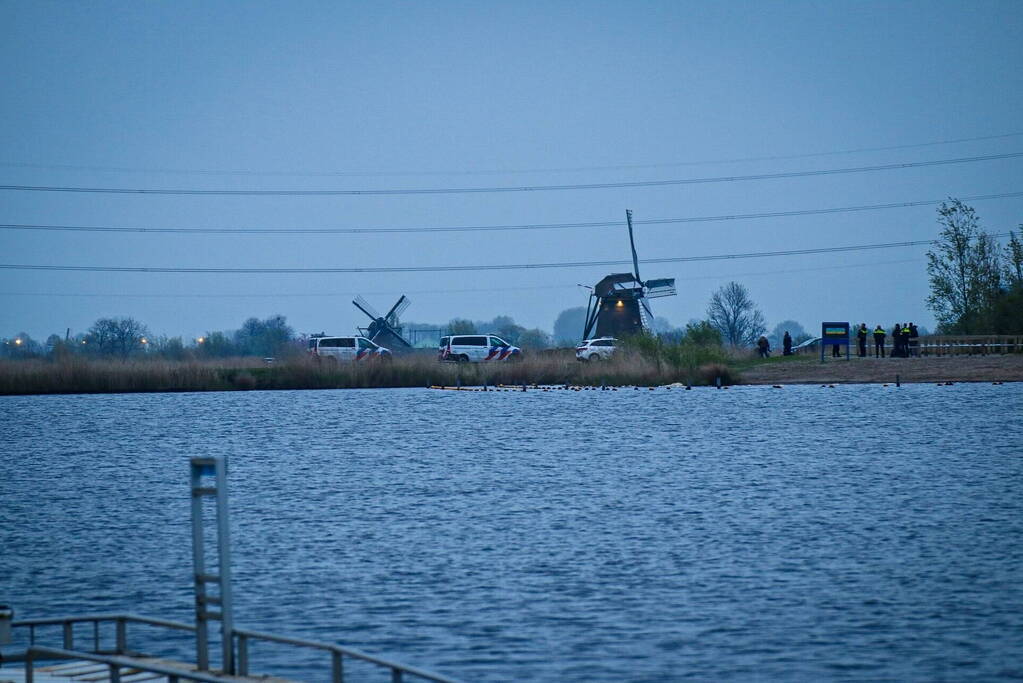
x,y
573,169
439,269
511,188
422,292
491,228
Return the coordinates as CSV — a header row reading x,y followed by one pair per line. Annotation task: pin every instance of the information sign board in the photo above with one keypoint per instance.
x,y
834,334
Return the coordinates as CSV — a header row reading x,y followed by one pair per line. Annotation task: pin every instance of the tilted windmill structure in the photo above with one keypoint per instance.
x,y
385,330
618,304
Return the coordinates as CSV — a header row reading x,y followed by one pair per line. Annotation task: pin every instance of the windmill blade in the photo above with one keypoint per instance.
x,y
649,314
364,306
632,243
664,286
403,307
591,315
397,309
396,336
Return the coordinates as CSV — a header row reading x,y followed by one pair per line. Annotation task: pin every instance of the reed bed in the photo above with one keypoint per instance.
x,y
82,375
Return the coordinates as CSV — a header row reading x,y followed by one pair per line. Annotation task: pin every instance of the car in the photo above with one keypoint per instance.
x,y
600,348
476,348
347,349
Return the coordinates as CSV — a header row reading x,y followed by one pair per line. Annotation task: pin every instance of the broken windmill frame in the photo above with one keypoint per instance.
x,y
385,330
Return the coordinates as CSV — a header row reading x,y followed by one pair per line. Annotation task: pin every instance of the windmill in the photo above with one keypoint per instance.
x,y
618,303
385,330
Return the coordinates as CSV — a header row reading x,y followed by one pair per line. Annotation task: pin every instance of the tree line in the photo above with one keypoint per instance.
x,y
976,287
125,337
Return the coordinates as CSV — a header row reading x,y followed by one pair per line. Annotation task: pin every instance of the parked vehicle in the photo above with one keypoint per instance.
x,y
476,348
600,348
347,349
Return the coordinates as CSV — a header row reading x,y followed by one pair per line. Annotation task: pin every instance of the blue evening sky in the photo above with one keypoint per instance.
x,y
385,95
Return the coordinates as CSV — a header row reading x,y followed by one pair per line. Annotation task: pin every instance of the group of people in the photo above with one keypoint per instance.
x,y
764,346
905,341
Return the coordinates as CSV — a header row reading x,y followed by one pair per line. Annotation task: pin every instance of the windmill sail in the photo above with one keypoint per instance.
x,y
661,287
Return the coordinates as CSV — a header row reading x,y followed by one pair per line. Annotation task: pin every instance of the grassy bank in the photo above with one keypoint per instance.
x,y
808,369
81,375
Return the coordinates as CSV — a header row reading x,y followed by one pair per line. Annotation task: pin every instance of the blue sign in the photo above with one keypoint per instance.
x,y
834,334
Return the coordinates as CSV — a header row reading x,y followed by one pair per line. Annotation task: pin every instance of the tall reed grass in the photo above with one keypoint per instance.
x,y
82,375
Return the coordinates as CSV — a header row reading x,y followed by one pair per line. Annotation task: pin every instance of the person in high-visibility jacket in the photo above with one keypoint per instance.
x,y
861,340
879,335
906,334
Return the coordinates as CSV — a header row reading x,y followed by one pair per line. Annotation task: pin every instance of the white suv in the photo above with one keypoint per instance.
x,y
476,348
601,348
347,349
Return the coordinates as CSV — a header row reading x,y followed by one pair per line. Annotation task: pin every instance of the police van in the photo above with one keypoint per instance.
x,y
476,348
347,349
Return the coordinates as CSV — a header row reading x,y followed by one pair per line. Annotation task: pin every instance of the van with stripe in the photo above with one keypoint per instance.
x,y
476,348
347,349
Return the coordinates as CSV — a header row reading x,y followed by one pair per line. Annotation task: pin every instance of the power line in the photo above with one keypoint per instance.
x,y
422,292
438,269
490,228
519,188
572,169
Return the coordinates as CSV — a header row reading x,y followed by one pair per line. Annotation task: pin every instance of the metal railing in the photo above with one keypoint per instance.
x,y
120,622
941,345
336,652
240,636
114,664
946,344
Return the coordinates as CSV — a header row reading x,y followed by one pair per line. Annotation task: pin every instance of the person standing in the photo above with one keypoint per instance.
x,y
786,344
906,333
879,336
861,341
897,340
914,340
763,347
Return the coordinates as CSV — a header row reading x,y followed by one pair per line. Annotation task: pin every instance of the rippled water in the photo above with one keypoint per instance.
x,y
861,532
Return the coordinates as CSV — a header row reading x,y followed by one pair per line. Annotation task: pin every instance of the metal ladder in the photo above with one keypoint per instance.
x,y
204,600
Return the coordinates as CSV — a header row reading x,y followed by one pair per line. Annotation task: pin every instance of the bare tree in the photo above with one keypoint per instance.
x,y
733,313
117,336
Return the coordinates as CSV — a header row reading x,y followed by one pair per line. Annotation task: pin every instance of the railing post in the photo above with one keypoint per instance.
x,y
243,655
95,635
216,467
122,636
395,675
69,635
30,662
337,672
115,673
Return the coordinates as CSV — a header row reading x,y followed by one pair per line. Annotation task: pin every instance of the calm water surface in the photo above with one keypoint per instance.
x,y
854,533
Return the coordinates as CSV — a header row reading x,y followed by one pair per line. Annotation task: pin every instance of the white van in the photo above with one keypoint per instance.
x,y
347,349
476,348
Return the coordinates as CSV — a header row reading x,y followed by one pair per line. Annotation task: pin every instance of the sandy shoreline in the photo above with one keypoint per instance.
x,y
884,370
